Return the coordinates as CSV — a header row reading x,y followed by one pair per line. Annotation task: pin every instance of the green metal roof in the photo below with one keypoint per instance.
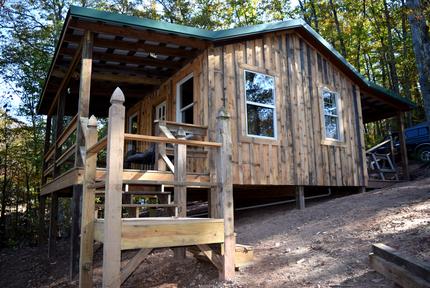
x,y
229,34
221,35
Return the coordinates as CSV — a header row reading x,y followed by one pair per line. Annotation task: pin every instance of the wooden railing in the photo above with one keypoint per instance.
x,y
221,203
197,160
57,155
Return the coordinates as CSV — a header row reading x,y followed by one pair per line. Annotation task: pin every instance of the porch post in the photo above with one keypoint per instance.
x,y
88,206
42,208
84,93
74,235
53,229
403,149
113,193
300,197
225,192
180,193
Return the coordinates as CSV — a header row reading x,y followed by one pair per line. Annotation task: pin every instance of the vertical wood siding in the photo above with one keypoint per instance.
x,y
299,155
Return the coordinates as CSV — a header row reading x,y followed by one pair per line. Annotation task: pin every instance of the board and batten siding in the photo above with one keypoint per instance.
x,y
299,155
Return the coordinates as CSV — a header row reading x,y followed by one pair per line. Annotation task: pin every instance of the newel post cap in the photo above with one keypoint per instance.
x,y
92,122
117,96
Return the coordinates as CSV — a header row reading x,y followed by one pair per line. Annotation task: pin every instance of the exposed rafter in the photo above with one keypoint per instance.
x,y
135,47
138,33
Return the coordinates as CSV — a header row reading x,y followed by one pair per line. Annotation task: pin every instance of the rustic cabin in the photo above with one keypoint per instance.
x,y
143,116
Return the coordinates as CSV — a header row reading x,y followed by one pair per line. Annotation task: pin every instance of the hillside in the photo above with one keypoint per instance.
x,y
325,245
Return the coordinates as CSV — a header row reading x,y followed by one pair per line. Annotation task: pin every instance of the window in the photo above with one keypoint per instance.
x,y
331,115
260,104
185,100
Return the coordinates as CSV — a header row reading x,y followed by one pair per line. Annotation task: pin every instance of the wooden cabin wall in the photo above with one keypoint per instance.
x,y
299,155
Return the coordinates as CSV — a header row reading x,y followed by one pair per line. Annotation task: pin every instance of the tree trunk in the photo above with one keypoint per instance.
x,y
339,31
406,78
314,16
421,44
391,58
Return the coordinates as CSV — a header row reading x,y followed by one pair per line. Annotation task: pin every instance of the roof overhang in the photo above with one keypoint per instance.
x,y
125,46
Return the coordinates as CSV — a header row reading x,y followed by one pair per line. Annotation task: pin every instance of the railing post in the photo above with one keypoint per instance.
x,y
113,193
225,192
180,195
159,150
88,207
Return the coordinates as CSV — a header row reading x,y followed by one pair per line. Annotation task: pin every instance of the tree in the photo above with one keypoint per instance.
x,y
421,44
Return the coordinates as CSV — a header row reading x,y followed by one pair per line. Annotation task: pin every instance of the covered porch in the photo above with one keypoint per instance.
x,y
92,59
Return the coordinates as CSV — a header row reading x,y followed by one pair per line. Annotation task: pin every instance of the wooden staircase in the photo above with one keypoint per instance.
x,y
122,228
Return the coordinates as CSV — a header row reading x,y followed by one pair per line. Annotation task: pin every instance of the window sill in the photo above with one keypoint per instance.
x,y
259,140
329,142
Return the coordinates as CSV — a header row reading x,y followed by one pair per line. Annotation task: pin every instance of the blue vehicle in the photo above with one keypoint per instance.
x,y
417,140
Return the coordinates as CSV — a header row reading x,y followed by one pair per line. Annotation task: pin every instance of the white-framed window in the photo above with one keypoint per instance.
x,y
260,104
331,115
185,100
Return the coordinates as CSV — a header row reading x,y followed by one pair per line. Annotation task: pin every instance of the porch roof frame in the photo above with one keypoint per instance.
x,y
202,39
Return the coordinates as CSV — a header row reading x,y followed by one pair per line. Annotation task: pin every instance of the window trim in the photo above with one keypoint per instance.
x,y
328,140
191,105
272,106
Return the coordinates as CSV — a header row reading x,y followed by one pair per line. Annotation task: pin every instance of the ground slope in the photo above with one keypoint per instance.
x,y
325,245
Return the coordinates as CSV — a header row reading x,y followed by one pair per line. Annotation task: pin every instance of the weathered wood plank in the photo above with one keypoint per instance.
x,y
112,224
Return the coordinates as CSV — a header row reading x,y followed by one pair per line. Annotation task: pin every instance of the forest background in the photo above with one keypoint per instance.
x,y
385,40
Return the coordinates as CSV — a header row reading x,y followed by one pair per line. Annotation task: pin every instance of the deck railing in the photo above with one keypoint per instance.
x,y
60,152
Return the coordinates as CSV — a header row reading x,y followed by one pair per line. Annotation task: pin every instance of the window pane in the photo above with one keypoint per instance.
x,y
187,116
329,103
331,127
186,93
260,121
259,88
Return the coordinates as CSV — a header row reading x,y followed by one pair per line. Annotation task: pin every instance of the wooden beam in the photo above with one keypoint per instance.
x,y
114,166
132,265
163,232
120,77
135,46
53,228
225,192
180,192
403,148
404,271
138,33
84,92
300,197
88,208
211,255
75,231
147,61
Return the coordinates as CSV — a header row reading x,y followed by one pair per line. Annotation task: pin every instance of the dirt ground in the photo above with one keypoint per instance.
x,y
325,245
